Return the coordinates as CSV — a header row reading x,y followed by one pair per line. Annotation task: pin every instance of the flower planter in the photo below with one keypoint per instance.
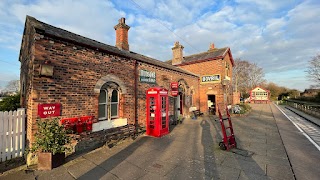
x,y
48,161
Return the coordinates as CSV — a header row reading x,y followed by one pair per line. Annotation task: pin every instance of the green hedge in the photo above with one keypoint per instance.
x,y
10,103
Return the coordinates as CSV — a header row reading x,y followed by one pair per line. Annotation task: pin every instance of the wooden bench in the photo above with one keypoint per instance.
x,y
197,113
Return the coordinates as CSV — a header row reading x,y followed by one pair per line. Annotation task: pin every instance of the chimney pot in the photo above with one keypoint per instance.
x,y
122,20
211,46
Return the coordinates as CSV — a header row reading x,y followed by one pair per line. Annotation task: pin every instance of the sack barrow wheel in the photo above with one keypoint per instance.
x,y
222,146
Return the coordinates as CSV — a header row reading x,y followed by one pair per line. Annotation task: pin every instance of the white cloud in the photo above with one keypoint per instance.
x,y
277,35
92,19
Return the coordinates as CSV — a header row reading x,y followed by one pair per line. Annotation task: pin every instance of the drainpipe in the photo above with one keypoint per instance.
x,y
199,93
135,96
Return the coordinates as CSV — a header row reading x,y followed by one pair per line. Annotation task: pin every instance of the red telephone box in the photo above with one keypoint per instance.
x,y
157,112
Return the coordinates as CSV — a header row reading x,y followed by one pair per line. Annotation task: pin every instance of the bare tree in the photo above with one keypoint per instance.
x,y
246,76
13,85
314,70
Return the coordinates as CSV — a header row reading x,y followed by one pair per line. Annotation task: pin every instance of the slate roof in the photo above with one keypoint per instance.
x,y
42,27
212,54
209,55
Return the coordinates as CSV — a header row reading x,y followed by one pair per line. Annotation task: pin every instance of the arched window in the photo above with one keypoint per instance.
x,y
114,104
109,101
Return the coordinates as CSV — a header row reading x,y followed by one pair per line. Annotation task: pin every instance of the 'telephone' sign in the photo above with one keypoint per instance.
x,y
215,78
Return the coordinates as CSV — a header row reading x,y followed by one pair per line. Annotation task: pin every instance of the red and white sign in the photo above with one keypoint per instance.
x,y
174,93
163,92
49,110
174,88
174,85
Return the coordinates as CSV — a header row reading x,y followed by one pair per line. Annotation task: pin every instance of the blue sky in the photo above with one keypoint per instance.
x,y
279,36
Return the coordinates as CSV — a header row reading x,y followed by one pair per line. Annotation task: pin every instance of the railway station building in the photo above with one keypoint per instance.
x,y
67,75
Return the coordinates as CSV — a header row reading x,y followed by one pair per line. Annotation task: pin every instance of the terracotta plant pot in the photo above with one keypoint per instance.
x,y
47,161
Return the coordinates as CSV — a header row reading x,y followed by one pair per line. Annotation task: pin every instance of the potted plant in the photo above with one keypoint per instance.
x,y
180,118
50,144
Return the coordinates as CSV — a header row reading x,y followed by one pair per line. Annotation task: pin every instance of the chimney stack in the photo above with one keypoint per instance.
x,y
211,47
177,51
122,34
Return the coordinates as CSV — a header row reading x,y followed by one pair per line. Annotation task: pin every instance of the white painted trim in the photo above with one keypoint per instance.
x,y
108,124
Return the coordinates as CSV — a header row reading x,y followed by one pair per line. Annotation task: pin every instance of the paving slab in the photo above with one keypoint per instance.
x,y
79,167
183,173
280,172
126,170
18,175
57,173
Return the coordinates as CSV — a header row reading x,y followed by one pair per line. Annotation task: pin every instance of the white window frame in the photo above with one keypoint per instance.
x,y
108,104
112,103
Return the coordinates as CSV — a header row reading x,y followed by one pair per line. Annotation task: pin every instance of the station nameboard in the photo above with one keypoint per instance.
x,y
147,76
215,78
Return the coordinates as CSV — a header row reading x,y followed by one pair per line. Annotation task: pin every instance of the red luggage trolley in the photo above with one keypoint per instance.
x,y
229,140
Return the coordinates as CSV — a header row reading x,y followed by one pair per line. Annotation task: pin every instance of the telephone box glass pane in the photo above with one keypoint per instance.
x,y
163,112
152,113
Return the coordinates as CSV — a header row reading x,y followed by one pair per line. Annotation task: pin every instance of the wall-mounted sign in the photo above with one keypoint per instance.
x,y
147,76
49,110
174,93
46,70
174,89
174,85
215,78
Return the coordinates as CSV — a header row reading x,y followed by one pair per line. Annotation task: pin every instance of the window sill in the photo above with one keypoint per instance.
x,y
110,119
108,124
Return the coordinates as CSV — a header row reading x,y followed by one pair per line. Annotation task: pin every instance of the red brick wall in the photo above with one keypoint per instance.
x,y
236,97
209,68
122,38
164,78
26,76
76,73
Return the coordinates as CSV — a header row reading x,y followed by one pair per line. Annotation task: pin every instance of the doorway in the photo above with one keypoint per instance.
x,y
179,104
212,104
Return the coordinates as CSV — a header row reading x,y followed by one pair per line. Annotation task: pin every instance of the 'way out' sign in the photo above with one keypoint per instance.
x,y
49,110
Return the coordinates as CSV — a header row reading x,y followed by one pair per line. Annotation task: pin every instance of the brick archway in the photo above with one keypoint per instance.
x,y
109,78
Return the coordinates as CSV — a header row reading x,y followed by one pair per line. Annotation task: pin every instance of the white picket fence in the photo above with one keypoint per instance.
x,y
12,134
